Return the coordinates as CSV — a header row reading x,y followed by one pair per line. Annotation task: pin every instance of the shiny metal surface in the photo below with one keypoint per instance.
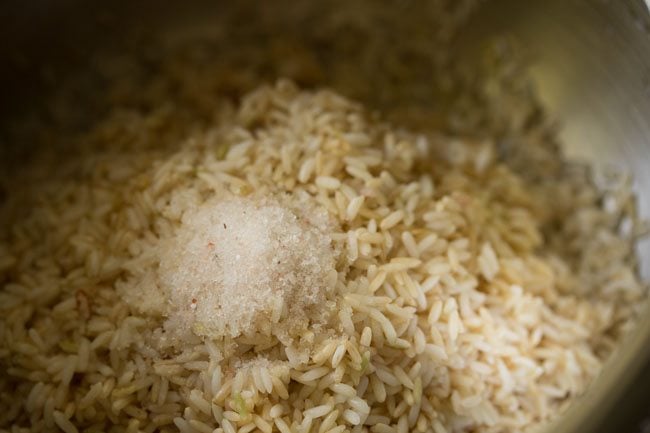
x,y
591,68
592,71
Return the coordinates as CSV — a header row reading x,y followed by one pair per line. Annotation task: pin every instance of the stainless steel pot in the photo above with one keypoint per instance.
x,y
592,71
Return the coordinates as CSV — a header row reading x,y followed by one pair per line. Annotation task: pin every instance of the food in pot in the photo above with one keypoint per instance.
x,y
290,260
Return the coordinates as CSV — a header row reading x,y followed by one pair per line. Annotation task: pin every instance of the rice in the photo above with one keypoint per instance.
x,y
472,290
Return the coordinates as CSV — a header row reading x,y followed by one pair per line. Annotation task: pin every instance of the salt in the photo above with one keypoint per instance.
x,y
245,266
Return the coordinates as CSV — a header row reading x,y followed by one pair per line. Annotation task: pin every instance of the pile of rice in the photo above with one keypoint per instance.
x,y
300,265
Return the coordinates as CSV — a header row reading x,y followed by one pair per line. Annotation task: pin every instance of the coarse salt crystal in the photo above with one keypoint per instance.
x,y
247,266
